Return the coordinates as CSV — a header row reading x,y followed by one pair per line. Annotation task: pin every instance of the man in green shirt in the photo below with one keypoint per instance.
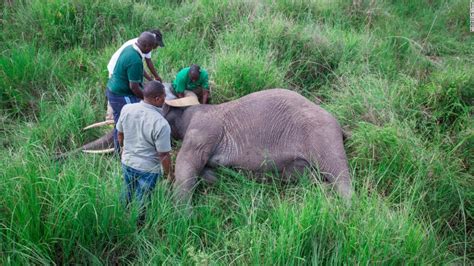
x,y
195,79
124,86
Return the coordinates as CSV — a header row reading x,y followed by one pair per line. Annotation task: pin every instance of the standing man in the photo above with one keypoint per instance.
x,y
195,79
147,57
144,135
159,43
124,86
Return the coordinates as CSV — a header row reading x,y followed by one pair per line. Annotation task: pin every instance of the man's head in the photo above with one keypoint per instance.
x,y
194,72
154,93
158,38
146,42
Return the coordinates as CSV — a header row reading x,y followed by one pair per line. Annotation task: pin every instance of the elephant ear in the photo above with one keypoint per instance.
x,y
171,113
165,109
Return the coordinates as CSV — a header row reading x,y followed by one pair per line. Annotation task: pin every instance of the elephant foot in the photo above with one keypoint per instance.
x,y
208,176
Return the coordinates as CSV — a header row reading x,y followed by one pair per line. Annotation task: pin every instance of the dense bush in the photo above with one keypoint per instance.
x,y
242,72
71,23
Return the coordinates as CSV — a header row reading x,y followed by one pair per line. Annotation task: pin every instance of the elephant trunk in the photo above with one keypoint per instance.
x,y
102,145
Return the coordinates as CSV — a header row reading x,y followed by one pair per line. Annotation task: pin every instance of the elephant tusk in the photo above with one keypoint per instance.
x,y
99,124
99,151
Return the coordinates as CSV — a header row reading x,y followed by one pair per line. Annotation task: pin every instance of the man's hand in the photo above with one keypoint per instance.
x,y
120,138
205,96
165,159
170,178
135,88
152,69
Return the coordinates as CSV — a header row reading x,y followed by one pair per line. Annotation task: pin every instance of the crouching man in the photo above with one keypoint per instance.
x,y
195,79
144,136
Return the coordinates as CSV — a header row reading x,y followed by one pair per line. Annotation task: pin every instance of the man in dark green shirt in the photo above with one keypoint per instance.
x,y
124,85
195,79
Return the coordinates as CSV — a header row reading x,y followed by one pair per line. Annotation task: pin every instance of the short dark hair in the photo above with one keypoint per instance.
x,y
147,39
195,69
153,89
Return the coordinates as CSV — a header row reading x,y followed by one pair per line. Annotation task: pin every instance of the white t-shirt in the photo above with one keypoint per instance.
x,y
115,56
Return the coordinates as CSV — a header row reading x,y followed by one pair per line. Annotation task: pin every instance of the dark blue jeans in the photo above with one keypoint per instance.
x,y
117,102
140,184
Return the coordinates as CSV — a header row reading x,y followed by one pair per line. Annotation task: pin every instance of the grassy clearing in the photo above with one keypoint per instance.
x,y
397,75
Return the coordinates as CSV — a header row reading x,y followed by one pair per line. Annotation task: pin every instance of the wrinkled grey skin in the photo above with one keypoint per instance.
x,y
104,142
269,130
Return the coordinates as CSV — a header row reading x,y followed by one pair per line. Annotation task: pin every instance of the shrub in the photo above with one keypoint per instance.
x,y
394,156
30,73
90,23
242,72
441,105
209,18
305,51
26,73
60,124
181,50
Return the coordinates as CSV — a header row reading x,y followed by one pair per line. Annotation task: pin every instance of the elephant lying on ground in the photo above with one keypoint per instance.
x,y
269,130
264,131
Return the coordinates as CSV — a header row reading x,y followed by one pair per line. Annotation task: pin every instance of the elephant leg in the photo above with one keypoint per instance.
x,y
336,172
341,182
186,173
329,156
191,160
208,176
293,170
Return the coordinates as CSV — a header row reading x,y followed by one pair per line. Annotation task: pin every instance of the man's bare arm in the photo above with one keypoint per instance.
x,y
165,159
152,69
147,76
205,96
135,88
120,138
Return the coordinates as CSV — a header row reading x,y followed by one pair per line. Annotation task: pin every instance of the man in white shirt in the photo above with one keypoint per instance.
x,y
145,138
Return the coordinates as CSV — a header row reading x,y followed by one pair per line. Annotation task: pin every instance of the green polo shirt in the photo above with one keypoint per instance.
x,y
129,68
183,82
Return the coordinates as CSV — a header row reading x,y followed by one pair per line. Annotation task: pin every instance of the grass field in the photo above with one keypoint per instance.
x,y
398,75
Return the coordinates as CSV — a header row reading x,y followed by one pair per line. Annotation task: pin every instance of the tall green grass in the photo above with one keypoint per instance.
x,y
396,74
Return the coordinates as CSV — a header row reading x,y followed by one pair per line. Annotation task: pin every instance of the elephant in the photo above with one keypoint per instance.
x,y
270,130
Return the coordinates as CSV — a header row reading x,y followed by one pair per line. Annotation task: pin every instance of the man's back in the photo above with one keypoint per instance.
x,y
146,133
